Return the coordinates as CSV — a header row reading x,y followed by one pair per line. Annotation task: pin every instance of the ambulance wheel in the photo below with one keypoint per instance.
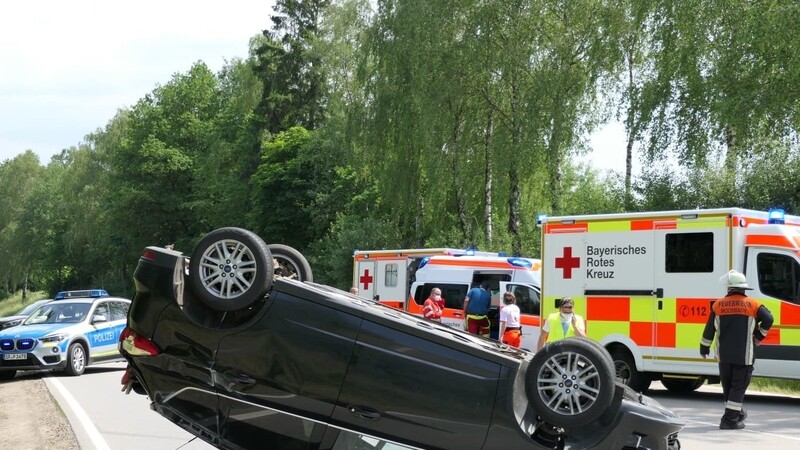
x,y
289,263
683,385
230,269
571,383
625,370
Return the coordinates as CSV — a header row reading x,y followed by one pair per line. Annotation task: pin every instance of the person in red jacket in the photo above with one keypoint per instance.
x,y
433,306
740,323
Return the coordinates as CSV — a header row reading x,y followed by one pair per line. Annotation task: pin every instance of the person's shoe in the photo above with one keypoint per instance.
x,y
742,415
726,424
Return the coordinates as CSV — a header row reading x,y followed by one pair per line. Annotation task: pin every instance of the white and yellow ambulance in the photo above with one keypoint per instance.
x,y
644,283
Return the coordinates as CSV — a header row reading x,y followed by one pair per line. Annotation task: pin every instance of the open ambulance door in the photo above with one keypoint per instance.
x,y
529,303
365,278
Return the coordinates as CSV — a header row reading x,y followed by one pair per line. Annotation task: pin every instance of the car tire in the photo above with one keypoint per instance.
x,y
230,269
76,360
290,263
683,385
7,375
625,370
570,383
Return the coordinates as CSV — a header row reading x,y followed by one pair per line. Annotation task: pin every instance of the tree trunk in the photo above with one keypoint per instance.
x,y
487,193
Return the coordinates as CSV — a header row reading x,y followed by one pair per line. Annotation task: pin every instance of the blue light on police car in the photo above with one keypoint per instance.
x,y
520,262
776,216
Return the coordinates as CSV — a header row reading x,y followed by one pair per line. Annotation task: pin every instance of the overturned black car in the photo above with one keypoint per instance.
x,y
237,345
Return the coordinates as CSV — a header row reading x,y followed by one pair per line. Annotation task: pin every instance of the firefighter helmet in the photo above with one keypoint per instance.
x,y
735,280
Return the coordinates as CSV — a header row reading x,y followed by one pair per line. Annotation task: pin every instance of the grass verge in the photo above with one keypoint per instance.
x,y
11,305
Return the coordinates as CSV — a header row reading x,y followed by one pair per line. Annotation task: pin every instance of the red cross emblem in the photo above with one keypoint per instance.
x,y
366,279
568,262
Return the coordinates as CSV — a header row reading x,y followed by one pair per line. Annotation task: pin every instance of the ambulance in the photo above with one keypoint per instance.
x,y
645,282
403,279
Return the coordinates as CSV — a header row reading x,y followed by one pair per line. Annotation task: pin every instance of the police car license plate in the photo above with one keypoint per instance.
x,y
15,356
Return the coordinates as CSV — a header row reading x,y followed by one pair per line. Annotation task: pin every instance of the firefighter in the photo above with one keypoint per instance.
x,y
740,323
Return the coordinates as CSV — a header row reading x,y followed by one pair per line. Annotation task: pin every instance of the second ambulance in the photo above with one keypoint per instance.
x,y
644,282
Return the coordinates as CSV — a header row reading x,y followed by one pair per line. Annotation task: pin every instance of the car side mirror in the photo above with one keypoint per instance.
x,y
97,318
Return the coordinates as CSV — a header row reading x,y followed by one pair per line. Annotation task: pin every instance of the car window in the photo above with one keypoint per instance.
x,y
119,310
30,308
101,310
59,312
348,440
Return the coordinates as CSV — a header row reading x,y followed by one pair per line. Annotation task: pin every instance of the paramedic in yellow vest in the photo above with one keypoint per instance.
x,y
562,324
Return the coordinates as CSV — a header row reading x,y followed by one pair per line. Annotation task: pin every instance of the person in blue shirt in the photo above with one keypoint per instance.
x,y
476,305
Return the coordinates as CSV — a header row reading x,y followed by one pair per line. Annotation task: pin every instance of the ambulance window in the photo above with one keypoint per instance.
x,y
390,279
779,276
527,299
689,252
453,294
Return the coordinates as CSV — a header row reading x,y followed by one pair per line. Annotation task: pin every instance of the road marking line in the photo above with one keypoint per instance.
x,y
748,430
83,418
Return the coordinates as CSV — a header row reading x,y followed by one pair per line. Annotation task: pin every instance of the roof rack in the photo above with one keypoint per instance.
x,y
93,293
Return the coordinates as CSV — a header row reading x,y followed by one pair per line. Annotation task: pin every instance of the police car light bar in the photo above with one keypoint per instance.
x,y
93,293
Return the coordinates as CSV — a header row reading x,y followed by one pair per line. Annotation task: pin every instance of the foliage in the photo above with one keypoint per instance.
x,y
410,123
11,304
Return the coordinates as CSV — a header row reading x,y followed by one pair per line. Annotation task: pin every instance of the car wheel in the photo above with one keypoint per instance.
x,y
6,375
230,269
289,263
570,383
683,385
76,359
625,369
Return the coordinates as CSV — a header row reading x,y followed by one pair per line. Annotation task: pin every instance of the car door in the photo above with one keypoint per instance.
x,y
103,334
409,389
279,378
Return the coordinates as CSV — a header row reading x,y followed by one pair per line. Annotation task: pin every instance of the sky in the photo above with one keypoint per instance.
x,y
67,67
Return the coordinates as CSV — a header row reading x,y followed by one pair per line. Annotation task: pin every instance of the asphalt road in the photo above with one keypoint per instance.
x,y
105,418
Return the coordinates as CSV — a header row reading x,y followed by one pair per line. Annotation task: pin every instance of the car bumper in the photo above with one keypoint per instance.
x,y
40,359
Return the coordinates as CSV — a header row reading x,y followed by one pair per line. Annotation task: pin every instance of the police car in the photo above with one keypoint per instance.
x,y
77,329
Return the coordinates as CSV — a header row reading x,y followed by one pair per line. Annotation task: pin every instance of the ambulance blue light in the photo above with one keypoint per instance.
x,y
470,251
540,218
777,216
423,262
520,262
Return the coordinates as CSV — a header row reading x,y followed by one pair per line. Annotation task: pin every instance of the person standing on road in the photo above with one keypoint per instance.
x,y
740,323
433,306
562,324
476,305
510,327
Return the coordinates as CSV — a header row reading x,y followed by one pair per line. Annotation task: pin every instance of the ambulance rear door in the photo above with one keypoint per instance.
x,y
692,252
365,278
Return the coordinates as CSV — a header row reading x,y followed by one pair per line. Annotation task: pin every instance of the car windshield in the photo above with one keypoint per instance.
x,y
58,312
29,309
